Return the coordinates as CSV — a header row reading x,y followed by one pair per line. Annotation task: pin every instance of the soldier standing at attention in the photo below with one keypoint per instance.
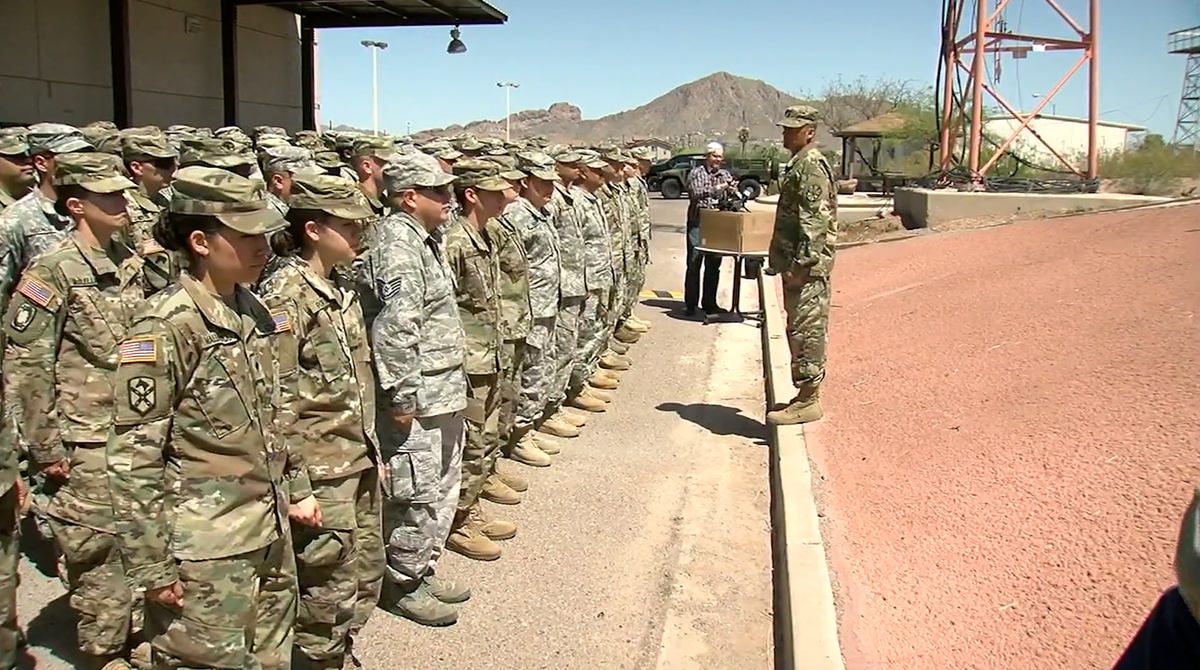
x,y
151,162
801,252
340,561
31,225
417,342
16,167
368,157
69,312
281,164
13,495
197,381
483,194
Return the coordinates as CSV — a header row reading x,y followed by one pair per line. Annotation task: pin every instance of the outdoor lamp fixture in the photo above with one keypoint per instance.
x,y
456,45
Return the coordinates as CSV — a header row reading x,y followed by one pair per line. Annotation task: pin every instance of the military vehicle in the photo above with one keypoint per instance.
x,y
670,176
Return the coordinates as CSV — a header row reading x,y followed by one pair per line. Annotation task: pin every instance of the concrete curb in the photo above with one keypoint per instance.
x,y
806,633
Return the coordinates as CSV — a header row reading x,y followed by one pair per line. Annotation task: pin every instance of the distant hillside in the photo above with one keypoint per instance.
x,y
712,107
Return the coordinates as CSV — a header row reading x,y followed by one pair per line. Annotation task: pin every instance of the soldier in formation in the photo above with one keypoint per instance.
x,y
261,383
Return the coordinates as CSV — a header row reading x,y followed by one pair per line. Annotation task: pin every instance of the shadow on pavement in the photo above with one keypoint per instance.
x,y
719,420
37,549
54,629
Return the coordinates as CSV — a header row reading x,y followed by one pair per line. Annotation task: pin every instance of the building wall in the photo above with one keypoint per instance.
x,y
1068,137
175,63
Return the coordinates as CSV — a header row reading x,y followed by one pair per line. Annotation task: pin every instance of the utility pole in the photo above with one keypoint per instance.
x,y
375,48
508,86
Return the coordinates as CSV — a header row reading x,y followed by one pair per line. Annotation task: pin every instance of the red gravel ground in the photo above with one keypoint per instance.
x,y
1012,431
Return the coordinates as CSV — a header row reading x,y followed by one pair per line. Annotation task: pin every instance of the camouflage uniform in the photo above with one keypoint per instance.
x,y
340,564
290,160
417,342
599,279
197,383
573,289
30,226
64,322
12,145
145,209
639,197
512,285
802,250
10,514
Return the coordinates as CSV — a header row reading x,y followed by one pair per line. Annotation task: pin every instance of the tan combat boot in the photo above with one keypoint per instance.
x,y
633,326
601,381
467,538
577,419
640,321
588,403
611,361
546,444
447,590
558,427
602,396
804,408
139,656
495,490
496,529
627,336
526,451
618,347
514,481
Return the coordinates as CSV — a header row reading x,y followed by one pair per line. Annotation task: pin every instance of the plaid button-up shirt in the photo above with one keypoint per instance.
x,y
704,184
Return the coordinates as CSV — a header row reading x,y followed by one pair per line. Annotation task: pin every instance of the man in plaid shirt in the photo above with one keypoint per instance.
x,y
705,184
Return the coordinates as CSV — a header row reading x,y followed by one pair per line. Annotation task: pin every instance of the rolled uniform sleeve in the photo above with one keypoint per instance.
x,y
146,393
33,326
399,287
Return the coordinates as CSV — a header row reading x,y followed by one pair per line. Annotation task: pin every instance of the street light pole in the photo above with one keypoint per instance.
x,y
508,86
375,48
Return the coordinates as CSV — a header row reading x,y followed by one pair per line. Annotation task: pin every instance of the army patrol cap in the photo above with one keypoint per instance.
x,y
56,138
371,145
270,142
469,144
591,159
105,125
508,167
537,164
12,142
799,116
214,152
642,153
135,147
413,171
336,196
496,151
235,201
569,157
328,160
287,159
110,143
480,175
94,171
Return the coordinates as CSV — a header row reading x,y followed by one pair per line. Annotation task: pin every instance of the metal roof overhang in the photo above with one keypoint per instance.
x,y
387,13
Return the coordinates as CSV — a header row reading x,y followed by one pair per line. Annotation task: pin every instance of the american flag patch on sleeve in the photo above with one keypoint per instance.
x,y
37,292
283,322
138,350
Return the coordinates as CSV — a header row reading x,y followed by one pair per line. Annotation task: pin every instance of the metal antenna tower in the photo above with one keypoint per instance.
x,y
1187,125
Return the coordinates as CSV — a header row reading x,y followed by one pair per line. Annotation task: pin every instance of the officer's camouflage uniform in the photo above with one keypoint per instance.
x,y
598,277
340,564
197,382
512,285
802,250
145,209
573,288
417,343
541,248
64,322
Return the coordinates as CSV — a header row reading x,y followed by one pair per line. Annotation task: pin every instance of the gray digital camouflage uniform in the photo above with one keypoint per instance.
x,y
598,277
197,383
64,323
572,288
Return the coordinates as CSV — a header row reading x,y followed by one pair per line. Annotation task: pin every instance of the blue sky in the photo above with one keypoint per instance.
x,y
610,56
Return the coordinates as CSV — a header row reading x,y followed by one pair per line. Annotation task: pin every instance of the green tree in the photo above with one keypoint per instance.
x,y
743,137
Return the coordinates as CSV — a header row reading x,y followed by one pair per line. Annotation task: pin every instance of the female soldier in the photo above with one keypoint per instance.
x,y
197,384
66,318
340,562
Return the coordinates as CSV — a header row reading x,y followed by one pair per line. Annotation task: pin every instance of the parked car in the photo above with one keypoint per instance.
x,y
670,176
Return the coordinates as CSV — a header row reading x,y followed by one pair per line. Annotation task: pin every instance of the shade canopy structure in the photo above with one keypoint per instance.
x,y
320,14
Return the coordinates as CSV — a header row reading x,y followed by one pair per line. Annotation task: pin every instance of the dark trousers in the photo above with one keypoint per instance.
x,y
1168,638
692,295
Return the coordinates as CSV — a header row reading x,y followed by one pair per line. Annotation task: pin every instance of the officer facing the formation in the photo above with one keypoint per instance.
x,y
335,495
16,167
471,256
70,310
31,225
801,251
421,391
197,384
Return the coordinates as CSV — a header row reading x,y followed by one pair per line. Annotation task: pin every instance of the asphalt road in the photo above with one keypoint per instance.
x,y
646,545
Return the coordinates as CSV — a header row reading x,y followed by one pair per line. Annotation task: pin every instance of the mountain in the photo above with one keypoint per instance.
x,y
710,108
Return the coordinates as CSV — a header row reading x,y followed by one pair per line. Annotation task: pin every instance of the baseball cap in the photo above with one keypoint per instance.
x,y
235,201
94,171
333,195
